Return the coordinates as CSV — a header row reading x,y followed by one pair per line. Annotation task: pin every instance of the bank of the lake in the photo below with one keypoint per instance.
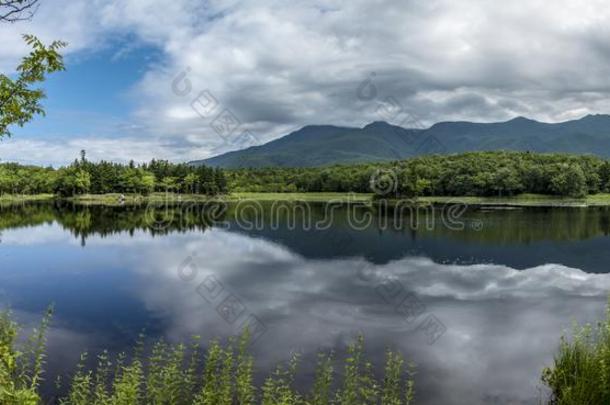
x,y
522,200
10,198
121,199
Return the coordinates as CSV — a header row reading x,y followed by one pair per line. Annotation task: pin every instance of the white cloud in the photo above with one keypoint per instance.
x,y
280,65
58,152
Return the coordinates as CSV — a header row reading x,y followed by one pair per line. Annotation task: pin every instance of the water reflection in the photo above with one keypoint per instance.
x,y
519,239
503,323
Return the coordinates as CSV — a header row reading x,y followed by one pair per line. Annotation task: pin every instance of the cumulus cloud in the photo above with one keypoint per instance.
x,y
280,65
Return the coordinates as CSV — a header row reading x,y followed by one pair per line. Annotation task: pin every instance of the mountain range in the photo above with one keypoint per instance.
x,y
321,145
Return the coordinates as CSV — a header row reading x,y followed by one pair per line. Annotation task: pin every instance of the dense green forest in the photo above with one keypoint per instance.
x,y
83,176
468,174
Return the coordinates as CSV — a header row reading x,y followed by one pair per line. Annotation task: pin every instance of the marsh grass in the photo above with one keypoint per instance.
x,y
178,374
581,370
21,370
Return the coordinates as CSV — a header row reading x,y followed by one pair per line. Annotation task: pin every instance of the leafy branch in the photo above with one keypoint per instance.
x,y
18,101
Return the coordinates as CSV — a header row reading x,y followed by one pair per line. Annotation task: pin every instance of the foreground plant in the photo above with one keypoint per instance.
x,y
21,370
581,370
176,374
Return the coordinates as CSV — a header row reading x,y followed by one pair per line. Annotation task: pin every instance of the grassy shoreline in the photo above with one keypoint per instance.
x,y
523,200
134,199
6,198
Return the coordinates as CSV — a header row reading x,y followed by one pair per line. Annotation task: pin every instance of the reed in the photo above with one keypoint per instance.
x,y
21,369
178,374
581,369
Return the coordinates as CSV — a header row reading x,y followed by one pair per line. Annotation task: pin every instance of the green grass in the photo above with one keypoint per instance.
x,y
17,198
131,199
523,200
179,374
581,370
598,199
310,197
113,199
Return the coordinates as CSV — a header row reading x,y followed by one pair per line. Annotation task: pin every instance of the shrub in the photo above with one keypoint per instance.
x,y
581,370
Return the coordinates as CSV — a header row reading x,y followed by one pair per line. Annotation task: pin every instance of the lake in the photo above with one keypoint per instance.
x,y
477,298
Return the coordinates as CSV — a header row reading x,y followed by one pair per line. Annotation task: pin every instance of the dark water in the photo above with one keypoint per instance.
x,y
477,298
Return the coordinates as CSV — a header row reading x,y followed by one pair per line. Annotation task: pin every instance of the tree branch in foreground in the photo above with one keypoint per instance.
x,y
17,10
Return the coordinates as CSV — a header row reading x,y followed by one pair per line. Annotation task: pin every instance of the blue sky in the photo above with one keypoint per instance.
x,y
275,66
93,96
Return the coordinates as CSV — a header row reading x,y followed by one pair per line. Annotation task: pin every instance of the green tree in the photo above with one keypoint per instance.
x,y
147,182
569,181
604,176
189,182
506,180
169,183
72,181
19,102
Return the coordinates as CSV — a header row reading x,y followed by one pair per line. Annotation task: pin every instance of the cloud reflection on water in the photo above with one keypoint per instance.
x,y
503,324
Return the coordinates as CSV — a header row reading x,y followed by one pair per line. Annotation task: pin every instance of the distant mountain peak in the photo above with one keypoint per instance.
x,y
595,117
522,119
378,124
315,127
321,145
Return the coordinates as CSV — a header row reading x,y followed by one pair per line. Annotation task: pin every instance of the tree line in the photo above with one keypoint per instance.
x,y
467,174
83,176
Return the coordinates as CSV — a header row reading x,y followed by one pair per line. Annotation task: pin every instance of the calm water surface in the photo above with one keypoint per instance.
x,y
479,302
